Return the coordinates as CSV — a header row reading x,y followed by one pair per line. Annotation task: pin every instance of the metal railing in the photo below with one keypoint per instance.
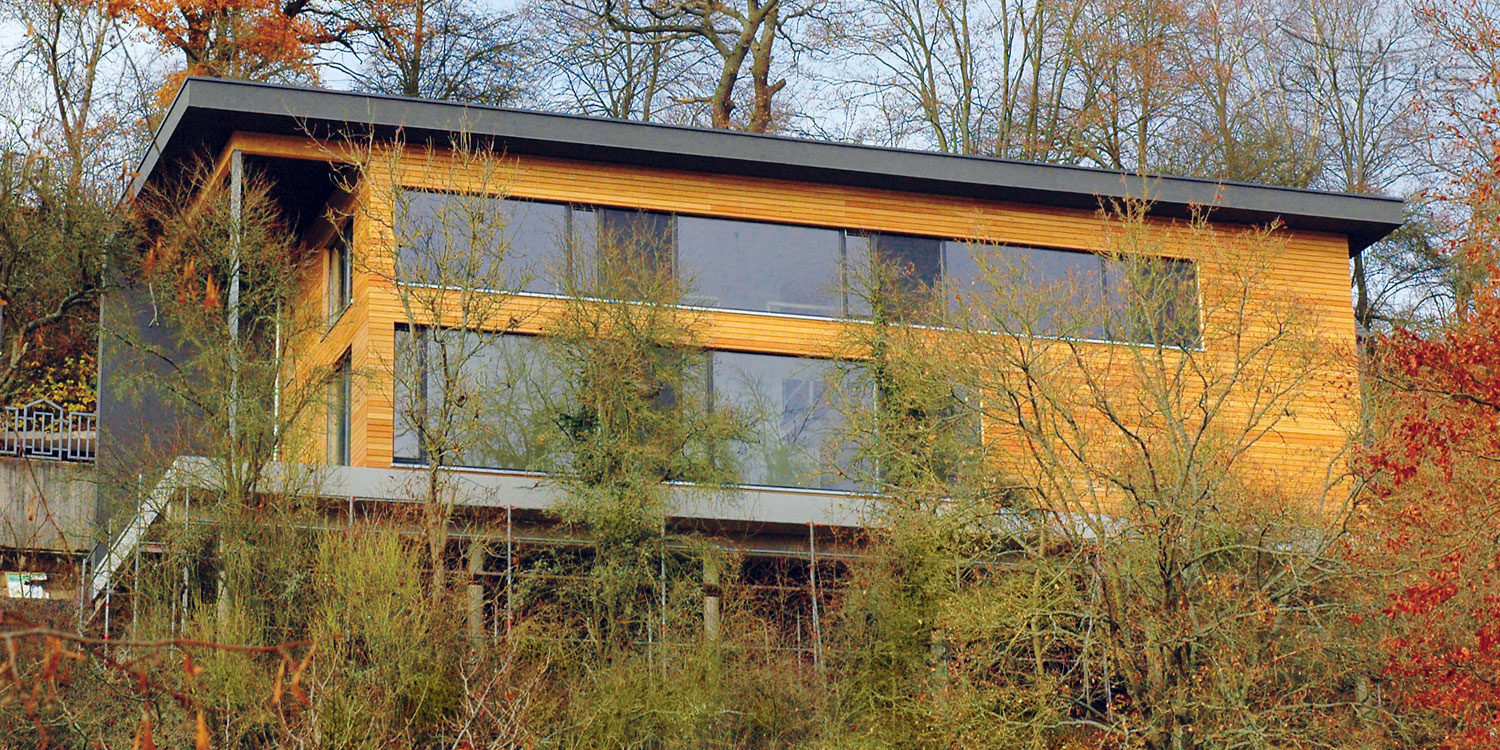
x,y
43,429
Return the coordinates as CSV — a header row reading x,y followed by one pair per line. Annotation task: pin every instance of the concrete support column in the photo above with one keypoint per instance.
x,y
475,590
236,207
711,592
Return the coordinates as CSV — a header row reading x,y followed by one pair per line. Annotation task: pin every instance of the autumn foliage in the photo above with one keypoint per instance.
x,y
251,39
1435,470
1435,479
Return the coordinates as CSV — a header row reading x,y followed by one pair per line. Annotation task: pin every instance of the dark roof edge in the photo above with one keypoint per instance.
x,y
1363,218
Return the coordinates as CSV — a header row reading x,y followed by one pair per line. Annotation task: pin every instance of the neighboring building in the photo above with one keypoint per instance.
x,y
765,226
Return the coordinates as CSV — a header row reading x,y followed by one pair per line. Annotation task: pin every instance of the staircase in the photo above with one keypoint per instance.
x,y
107,560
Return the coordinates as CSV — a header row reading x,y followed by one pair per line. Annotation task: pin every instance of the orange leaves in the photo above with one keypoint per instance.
x,y
210,295
253,39
1437,428
143,737
279,689
201,735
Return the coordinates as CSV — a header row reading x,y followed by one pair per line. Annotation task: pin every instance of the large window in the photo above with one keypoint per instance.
x,y
1076,294
763,267
731,264
798,406
499,389
1152,300
899,271
447,239
339,387
504,403
340,273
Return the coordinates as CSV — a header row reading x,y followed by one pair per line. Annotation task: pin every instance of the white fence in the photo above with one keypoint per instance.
x,y
43,429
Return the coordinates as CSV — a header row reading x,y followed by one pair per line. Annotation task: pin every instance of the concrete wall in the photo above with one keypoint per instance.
x,y
46,505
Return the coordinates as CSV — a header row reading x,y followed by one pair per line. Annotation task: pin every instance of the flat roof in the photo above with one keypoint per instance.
x,y
206,111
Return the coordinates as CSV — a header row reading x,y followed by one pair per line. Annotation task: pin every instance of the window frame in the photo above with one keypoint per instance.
x,y
340,432
848,313
339,267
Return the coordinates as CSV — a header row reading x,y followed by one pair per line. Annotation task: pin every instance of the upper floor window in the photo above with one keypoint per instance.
x,y
340,273
759,266
732,264
538,247
1074,294
896,272
456,239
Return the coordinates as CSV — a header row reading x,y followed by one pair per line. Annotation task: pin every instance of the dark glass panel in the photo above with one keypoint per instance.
x,y
536,244
916,261
339,392
646,237
859,273
1153,300
1039,290
340,273
745,265
908,269
797,407
411,394
437,234
499,398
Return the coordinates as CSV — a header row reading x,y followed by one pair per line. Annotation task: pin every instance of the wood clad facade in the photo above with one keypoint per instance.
x,y
1312,266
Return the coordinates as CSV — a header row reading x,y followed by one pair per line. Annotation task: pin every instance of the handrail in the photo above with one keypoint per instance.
x,y
43,429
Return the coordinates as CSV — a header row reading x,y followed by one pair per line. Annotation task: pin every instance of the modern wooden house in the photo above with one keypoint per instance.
x,y
767,228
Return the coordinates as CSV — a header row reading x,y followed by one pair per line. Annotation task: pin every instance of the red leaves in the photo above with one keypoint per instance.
x,y
1434,474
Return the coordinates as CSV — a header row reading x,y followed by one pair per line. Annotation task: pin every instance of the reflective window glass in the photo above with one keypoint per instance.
x,y
909,268
745,265
449,239
482,400
1153,300
797,406
1039,290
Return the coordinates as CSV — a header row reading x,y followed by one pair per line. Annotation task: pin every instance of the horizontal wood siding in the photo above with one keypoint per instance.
x,y
1311,267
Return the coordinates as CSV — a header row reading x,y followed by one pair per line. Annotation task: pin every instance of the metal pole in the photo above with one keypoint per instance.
x,y
817,628
276,393
183,605
475,590
711,592
135,595
662,581
83,589
509,574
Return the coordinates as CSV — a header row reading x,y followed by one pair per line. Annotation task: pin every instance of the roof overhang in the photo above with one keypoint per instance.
x,y
206,112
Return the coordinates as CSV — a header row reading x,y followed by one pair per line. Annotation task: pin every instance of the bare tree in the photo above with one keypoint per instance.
x,y
587,67
82,94
436,49
738,36
971,77
1240,122
1358,65
1144,454
443,256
